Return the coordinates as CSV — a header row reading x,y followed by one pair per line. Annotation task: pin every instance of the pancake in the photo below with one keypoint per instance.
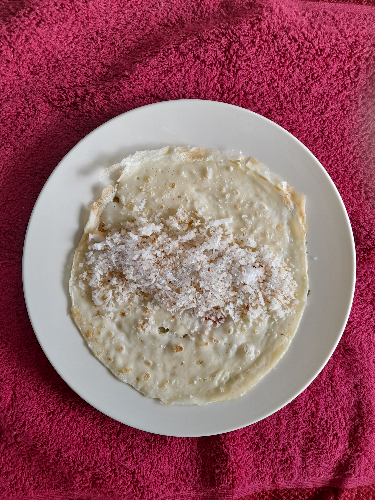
x,y
190,279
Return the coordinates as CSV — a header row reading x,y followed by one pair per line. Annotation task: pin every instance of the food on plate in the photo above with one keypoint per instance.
x,y
190,279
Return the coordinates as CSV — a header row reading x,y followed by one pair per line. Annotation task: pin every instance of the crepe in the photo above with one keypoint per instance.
x,y
190,279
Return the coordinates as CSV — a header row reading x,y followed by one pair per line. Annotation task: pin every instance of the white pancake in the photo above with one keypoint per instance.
x,y
190,279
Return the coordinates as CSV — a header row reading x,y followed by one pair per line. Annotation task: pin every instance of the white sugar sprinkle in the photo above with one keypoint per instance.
x,y
188,263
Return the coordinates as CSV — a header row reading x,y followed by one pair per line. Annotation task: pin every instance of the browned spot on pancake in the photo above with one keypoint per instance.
x,y
195,154
301,210
75,313
124,370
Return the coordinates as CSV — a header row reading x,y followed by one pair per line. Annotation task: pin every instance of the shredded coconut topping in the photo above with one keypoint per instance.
x,y
187,263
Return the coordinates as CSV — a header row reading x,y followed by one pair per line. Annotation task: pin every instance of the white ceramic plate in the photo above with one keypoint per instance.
x,y
60,214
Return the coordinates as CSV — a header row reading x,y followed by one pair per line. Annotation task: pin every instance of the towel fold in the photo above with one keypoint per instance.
x,y
69,66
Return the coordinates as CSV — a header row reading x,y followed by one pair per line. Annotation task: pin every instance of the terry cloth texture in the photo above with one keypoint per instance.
x,y
68,66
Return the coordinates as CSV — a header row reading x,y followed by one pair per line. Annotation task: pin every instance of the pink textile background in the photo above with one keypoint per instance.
x,y
68,66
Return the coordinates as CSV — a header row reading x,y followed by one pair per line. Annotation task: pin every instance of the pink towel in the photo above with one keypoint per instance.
x,y
68,66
